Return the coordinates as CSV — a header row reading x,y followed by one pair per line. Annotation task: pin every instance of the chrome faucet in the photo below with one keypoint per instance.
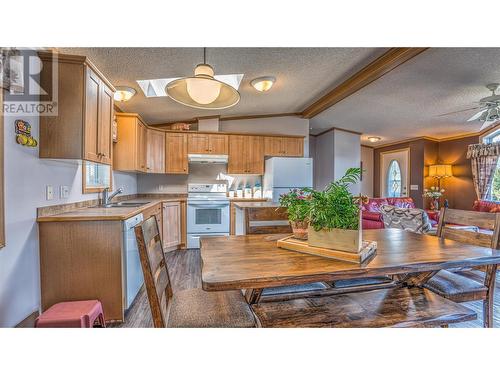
x,y
106,197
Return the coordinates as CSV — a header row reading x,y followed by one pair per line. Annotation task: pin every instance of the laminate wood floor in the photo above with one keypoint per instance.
x,y
184,267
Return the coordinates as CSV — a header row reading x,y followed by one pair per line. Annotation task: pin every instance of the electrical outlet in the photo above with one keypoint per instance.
x,y
49,192
63,191
413,187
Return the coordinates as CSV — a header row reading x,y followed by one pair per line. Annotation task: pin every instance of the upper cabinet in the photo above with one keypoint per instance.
x,y
176,153
82,127
216,144
156,151
130,152
283,146
246,154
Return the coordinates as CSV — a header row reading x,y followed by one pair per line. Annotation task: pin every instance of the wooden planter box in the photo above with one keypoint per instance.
x,y
337,239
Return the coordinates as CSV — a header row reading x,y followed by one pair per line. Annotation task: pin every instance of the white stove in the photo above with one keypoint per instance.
x,y
207,212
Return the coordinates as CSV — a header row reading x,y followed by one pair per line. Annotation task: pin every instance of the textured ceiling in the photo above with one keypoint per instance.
x,y
406,102
302,75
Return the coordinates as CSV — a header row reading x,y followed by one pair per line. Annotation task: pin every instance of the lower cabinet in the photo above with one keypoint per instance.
x,y
172,216
155,211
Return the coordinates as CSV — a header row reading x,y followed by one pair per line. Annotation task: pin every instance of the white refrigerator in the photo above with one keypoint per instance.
x,y
283,174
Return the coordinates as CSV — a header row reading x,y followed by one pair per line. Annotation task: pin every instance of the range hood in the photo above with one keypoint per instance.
x,y
207,159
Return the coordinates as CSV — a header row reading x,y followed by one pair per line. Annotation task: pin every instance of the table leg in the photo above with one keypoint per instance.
x,y
489,282
253,295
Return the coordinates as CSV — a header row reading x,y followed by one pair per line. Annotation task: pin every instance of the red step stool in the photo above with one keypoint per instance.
x,y
74,314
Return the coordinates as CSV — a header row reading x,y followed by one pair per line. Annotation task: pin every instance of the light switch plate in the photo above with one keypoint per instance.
x,y
49,192
413,187
64,191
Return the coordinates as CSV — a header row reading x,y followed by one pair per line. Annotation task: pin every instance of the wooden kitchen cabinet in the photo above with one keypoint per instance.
x,y
246,154
283,146
216,144
176,151
82,127
130,152
156,211
155,151
171,225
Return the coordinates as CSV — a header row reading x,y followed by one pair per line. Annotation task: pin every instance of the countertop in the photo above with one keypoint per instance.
x,y
112,213
256,204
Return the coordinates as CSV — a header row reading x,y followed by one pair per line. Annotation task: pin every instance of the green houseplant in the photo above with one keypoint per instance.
x,y
334,215
297,203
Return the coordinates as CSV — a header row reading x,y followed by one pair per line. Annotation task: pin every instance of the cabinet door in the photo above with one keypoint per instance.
x,y
141,146
198,144
105,123
293,146
91,124
218,144
254,155
273,146
156,151
176,153
171,224
237,163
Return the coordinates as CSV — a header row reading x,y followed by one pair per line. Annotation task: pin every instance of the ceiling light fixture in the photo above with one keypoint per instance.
x,y
263,83
374,139
202,90
124,93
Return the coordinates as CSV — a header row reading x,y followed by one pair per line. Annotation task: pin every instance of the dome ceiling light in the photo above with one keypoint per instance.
x,y
263,84
374,139
123,93
202,90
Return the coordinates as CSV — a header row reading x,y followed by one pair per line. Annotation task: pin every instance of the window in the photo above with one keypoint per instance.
x,y
96,177
394,180
494,137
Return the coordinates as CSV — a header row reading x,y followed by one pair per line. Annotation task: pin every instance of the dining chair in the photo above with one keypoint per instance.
x,y
187,308
457,225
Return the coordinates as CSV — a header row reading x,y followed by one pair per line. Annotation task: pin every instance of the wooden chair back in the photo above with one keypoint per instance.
x,y
266,220
154,268
449,219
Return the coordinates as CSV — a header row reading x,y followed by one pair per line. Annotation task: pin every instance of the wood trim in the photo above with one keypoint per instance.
x,y
2,182
335,128
390,60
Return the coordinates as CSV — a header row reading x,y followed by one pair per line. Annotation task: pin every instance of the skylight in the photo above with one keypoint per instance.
x,y
153,88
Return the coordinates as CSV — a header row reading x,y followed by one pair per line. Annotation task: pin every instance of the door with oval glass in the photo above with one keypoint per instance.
x,y
394,173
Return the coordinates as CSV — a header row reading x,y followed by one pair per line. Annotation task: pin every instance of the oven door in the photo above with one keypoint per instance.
x,y
208,217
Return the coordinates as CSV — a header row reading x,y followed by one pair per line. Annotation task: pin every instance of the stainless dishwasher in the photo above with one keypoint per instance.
x,y
132,271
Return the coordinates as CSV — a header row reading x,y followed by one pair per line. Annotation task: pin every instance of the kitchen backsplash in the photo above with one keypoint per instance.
x,y
198,173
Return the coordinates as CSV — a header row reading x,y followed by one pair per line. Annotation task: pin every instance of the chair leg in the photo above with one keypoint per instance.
x,y
489,282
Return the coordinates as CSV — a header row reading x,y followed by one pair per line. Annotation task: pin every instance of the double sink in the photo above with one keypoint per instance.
x,y
123,204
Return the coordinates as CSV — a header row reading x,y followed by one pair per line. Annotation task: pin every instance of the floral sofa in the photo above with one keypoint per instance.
x,y
372,218
486,206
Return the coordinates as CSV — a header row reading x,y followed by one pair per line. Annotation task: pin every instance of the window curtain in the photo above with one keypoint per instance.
x,y
484,158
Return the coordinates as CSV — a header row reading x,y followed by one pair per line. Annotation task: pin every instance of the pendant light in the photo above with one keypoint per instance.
x,y
203,90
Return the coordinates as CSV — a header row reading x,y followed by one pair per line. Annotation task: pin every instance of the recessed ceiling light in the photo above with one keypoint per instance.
x,y
263,83
374,139
123,93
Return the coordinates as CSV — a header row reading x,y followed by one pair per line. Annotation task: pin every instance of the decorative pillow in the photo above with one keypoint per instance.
x,y
495,209
410,219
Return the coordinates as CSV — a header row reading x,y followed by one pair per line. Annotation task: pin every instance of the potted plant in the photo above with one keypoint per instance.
x,y
297,203
334,215
434,193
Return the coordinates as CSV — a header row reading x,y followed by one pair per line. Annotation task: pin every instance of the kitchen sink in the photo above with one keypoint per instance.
x,y
124,204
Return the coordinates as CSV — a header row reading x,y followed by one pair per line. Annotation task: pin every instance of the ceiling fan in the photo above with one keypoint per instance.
x,y
489,108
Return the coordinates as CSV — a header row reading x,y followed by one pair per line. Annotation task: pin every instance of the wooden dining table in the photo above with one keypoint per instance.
x,y
254,262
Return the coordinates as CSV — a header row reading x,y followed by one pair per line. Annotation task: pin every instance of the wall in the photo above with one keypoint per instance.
x,y
335,152
25,179
459,188
367,181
